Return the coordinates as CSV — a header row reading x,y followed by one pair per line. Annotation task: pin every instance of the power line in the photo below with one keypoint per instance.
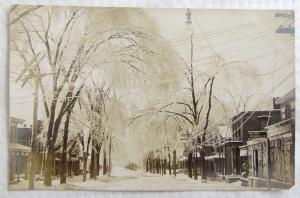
x,y
259,104
163,46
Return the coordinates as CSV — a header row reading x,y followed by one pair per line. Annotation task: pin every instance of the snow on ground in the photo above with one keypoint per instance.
x,y
126,180
121,171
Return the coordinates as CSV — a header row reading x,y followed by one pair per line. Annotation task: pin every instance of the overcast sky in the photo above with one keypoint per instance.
x,y
236,35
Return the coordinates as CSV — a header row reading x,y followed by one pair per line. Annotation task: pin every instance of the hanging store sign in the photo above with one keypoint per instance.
x,y
257,134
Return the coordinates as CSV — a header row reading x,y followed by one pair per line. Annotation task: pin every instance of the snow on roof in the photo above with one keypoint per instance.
x,y
215,156
223,131
287,97
19,147
256,113
16,120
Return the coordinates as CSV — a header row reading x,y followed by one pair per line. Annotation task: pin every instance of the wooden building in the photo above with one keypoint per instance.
x,y
215,159
14,124
215,163
282,152
271,158
245,126
18,154
18,162
258,162
229,148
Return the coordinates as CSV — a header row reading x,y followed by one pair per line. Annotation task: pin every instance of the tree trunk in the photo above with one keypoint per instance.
x,y
203,165
169,162
85,156
157,165
202,152
71,165
97,165
152,165
174,162
162,167
92,170
109,158
96,162
52,131
147,165
195,165
165,166
63,159
33,167
190,159
49,167
96,158
50,151
104,162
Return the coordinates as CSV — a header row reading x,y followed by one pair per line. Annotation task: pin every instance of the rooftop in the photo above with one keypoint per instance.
x,y
16,120
258,113
290,96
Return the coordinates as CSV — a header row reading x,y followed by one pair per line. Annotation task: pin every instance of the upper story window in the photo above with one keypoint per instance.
x,y
263,124
283,113
293,109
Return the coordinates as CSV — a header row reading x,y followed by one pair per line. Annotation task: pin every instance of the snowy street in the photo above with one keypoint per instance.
x,y
126,180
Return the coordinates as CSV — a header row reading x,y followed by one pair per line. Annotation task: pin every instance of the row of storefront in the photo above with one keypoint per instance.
x,y
260,149
271,159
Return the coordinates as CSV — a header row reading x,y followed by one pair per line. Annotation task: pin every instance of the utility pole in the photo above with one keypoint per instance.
x,y
36,76
33,156
288,26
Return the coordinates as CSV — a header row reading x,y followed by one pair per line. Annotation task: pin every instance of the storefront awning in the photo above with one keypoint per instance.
x,y
231,142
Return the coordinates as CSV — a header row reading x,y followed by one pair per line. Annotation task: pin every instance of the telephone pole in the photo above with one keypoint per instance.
x,y
33,156
288,25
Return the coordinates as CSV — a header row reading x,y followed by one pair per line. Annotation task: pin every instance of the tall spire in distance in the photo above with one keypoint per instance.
x,y
188,17
188,21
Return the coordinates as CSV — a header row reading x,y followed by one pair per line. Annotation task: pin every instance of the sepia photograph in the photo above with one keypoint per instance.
x,y
150,99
